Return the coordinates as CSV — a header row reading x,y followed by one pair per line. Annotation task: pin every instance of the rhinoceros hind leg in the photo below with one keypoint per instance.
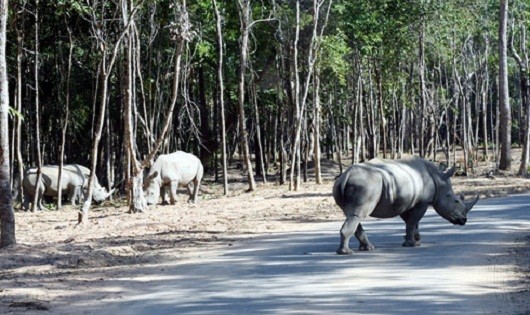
x,y
364,243
344,251
409,243
417,234
347,230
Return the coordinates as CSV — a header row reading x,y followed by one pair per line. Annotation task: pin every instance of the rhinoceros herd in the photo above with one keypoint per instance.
x,y
168,172
377,188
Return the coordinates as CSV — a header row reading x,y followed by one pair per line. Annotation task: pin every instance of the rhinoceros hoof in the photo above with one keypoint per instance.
x,y
366,248
411,244
344,251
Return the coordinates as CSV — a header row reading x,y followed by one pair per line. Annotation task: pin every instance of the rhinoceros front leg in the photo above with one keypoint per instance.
x,y
74,193
347,230
173,188
412,219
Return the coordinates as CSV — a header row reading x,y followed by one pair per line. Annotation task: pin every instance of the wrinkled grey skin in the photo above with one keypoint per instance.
x,y
171,171
99,193
73,184
388,188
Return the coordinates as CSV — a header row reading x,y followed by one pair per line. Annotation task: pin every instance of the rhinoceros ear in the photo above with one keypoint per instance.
x,y
449,173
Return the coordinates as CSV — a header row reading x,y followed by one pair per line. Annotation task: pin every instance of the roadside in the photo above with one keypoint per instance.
x,y
56,262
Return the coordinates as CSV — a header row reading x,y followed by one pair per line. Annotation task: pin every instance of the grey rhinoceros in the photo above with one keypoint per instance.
x,y
73,184
171,171
388,188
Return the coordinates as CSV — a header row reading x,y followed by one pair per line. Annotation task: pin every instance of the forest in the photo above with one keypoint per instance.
x,y
268,85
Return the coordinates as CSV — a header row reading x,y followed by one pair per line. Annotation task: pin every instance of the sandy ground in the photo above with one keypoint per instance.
x,y
57,261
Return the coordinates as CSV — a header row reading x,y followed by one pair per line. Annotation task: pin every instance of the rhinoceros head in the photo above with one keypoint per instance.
x,y
100,194
452,208
151,189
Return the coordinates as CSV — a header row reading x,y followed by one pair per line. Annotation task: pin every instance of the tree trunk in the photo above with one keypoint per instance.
x,y
20,161
220,81
106,71
37,194
505,121
316,133
423,98
260,156
301,95
7,216
66,117
244,14
524,84
484,99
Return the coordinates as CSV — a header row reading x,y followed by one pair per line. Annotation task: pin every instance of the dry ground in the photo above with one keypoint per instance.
x,y
55,261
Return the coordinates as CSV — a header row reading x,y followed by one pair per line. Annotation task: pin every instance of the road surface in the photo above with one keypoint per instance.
x,y
457,270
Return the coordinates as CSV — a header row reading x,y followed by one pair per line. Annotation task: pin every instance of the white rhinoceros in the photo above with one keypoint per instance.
x,y
388,188
74,183
171,171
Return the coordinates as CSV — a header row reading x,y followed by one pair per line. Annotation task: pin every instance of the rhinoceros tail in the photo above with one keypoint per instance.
x,y
339,188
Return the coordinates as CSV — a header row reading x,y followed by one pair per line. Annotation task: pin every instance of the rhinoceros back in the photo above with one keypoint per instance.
x,y
178,166
392,186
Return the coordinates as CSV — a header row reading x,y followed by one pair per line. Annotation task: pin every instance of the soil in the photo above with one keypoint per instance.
x,y
56,260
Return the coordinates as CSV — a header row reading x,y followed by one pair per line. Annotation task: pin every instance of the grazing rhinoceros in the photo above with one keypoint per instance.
x,y
388,188
73,184
170,171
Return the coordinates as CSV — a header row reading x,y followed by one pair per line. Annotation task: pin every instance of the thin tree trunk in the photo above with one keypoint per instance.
x,y
7,216
524,84
316,132
66,118
20,161
244,13
37,194
485,87
423,98
260,156
106,71
220,81
505,161
301,96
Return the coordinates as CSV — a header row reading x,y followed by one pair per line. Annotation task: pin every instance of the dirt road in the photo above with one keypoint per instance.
x,y
457,270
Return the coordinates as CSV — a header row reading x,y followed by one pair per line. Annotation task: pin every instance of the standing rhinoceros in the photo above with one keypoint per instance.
x,y
73,184
388,188
172,170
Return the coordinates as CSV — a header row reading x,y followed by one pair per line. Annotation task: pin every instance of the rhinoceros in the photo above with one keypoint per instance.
x,y
73,184
388,188
171,171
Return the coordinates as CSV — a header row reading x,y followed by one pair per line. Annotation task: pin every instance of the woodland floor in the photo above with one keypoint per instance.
x,y
55,261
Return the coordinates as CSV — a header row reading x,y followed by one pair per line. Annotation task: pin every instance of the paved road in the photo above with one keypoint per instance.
x,y
457,270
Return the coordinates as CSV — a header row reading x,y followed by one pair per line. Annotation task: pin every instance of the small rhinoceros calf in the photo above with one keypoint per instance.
x,y
171,171
388,188
74,182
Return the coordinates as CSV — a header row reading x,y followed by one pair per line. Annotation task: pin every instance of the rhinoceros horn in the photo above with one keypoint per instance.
x,y
110,193
469,204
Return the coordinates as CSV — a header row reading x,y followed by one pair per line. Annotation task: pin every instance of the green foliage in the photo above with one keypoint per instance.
x,y
15,113
335,54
